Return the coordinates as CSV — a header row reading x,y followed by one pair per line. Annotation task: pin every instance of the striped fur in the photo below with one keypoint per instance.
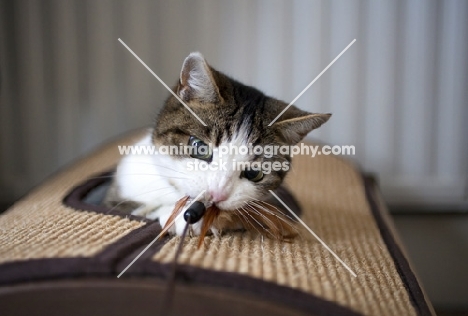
x,y
235,114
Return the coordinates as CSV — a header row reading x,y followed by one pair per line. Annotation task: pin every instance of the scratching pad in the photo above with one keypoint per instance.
x,y
57,246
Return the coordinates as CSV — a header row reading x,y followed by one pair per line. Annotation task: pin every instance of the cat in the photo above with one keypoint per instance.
x,y
235,115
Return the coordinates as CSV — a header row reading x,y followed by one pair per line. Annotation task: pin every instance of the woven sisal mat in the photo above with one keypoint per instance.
x,y
52,234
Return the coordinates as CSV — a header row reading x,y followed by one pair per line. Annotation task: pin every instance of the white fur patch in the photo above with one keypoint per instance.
x,y
159,181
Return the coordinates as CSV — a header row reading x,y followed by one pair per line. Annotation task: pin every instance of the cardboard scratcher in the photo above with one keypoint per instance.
x,y
60,253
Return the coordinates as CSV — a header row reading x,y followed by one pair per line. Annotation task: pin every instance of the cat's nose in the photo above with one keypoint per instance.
x,y
218,196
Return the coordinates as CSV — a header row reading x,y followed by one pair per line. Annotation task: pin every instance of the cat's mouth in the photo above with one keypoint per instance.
x,y
208,203
211,199
256,216
219,205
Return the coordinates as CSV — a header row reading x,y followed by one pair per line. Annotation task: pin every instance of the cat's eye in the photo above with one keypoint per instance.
x,y
252,175
200,150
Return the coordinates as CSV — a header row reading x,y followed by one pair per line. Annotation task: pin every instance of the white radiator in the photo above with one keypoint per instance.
x,y
399,94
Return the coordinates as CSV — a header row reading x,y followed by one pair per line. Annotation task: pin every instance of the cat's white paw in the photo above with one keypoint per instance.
x,y
177,227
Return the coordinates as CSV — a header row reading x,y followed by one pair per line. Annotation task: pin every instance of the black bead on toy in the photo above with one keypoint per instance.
x,y
195,212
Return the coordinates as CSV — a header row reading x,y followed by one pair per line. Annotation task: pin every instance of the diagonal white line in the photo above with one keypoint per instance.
x,y
162,82
314,234
310,84
159,236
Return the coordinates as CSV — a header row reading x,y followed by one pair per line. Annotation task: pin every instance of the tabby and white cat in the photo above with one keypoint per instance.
x,y
235,114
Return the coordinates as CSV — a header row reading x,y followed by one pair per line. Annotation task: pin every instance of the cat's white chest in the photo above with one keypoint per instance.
x,y
145,178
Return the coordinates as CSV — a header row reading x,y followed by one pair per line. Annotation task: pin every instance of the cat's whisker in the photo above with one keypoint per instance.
x,y
247,204
262,210
267,220
249,213
137,174
243,214
258,211
154,174
290,222
132,199
241,217
273,206
280,216
156,165
270,227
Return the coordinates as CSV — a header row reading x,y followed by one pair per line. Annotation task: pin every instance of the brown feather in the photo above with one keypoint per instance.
x,y
178,207
258,216
268,219
262,217
210,216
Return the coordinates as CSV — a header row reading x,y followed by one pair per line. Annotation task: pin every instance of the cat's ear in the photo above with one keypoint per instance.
x,y
294,128
196,80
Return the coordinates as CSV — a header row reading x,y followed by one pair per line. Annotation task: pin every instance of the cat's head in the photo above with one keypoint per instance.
x,y
236,116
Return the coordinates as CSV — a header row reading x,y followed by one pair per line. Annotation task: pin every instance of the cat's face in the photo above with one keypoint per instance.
x,y
237,117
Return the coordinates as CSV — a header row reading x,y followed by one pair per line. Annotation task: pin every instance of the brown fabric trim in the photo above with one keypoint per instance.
x,y
401,263
51,268
130,297
132,244
256,288
104,264
188,276
74,199
116,256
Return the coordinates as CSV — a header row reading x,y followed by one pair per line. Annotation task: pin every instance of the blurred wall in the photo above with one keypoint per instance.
x,y
398,94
